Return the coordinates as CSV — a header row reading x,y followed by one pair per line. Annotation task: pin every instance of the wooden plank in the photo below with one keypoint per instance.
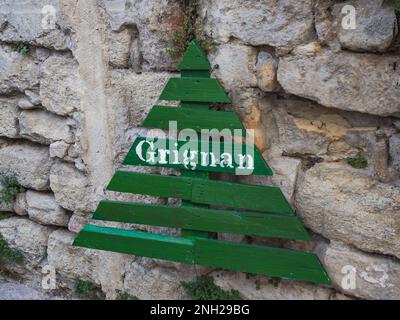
x,y
284,263
160,116
263,260
194,58
203,219
194,89
218,193
136,243
219,157
190,73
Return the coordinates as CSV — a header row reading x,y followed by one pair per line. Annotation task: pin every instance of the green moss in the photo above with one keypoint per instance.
x,y
394,3
9,255
274,281
4,215
192,29
358,162
87,290
23,48
9,189
204,288
123,295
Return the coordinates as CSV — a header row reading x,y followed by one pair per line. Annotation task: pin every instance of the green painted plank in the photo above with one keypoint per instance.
x,y
263,260
283,263
194,90
192,232
193,156
203,219
190,118
194,58
136,243
218,193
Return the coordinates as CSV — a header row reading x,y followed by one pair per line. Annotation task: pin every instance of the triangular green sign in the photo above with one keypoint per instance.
x,y
249,209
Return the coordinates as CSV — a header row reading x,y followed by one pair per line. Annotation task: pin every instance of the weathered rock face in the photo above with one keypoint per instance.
x,y
344,204
394,147
71,188
18,72
9,118
43,208
138,93
261,288
354,82
20,205
29,163
102,268
59,149
367,276
27,236
44,127
236,66
60,85
376,26
156,282
153,20
283,24
32,22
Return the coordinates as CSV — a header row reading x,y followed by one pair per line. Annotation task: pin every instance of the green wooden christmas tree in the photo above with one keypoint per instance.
x,y
252,210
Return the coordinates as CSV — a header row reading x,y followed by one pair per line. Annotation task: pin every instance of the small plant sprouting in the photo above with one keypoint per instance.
x,y
4,215
204,288
23,48
179,40
358,162
274,281
87,290
123,295
8,254
9,188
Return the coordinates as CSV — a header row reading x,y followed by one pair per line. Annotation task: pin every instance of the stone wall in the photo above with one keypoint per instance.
x,y
314,92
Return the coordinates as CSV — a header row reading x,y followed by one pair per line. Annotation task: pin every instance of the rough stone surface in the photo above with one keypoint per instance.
x,y
26,236
14,291
376,277
58,149
279,24
25,21
236,65
120,44
154,31
44,127
8,118
18,72
43,208
100,267
20,205
29,163
263,288
266,68
138,93
60,85
285,174
369,220
355,82
394,147
156,282
71,188
376,26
